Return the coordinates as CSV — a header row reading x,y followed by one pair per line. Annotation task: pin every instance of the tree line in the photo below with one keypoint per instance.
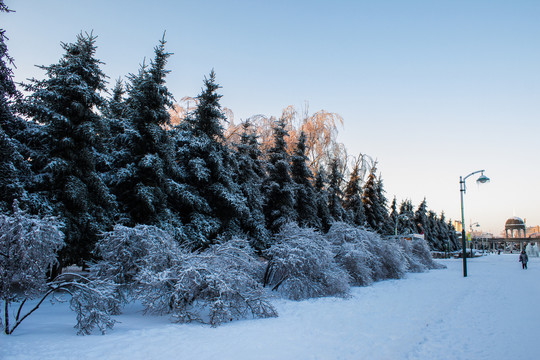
x,y
95,160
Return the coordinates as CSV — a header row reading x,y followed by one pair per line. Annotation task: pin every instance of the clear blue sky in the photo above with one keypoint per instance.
x,y
432,89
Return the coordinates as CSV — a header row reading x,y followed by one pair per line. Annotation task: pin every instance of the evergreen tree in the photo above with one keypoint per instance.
x,y
117,149
321,196
376,213
406,223
305,204
13,168
8,91
279,188
444,236
115,107
144,163
335,195
453,238
214,201
387,227
352,202
431,231
251,174
420,217
393,215
65,104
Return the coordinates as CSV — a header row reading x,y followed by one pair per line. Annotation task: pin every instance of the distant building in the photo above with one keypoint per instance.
x,y
481,235
533,231
516,225
457,225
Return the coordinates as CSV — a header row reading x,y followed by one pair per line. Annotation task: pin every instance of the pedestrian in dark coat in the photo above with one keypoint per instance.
x,y
523,258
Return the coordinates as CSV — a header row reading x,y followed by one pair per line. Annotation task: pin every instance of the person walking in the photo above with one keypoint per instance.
x,y
523,258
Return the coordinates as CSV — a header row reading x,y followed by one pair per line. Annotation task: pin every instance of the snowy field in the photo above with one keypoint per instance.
x,y
492,314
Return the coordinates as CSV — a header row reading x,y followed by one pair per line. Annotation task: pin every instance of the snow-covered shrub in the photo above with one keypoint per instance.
x,y
393,261
302,265
413,263
93,300
417,254
215,286
365,255
355,260
124,251
28,246
421,252
352,252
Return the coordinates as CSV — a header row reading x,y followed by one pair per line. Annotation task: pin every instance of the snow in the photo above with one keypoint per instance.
x,y
492,314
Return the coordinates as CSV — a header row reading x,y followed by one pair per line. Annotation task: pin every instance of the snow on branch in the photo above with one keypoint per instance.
x,y
214,286
368,257
302,265
29,245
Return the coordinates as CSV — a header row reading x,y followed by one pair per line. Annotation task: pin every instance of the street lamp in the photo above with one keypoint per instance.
x,y
482,179
471,227
401,216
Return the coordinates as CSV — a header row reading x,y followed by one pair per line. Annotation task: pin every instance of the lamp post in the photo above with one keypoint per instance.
x,y
401,216
481,180
471,227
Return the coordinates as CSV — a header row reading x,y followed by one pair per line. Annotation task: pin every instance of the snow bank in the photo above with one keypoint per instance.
x,y
431,315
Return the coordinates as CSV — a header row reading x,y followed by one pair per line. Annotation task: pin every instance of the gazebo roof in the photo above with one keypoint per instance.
x,y
514,223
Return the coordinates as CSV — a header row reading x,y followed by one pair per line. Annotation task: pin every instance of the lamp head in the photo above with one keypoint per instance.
x,y
482,179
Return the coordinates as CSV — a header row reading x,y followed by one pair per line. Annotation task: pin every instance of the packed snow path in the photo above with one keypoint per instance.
x,y
492,314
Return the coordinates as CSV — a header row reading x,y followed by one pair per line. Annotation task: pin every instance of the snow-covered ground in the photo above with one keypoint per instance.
x,y
492,314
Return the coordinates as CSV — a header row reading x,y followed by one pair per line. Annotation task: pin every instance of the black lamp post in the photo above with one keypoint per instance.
x,y
481,180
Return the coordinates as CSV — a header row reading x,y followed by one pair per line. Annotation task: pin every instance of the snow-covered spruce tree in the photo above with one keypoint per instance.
x,y
114,113
305,200
115,107
73,135
302,265
454,242
446,233
14,170
279,188
406,224
375,210
393,217
214,286
212,202
121,136
432,231
335,195
442,231
8,91
387,227
28,249
321,199
145,166
251,170
420,217
352,199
